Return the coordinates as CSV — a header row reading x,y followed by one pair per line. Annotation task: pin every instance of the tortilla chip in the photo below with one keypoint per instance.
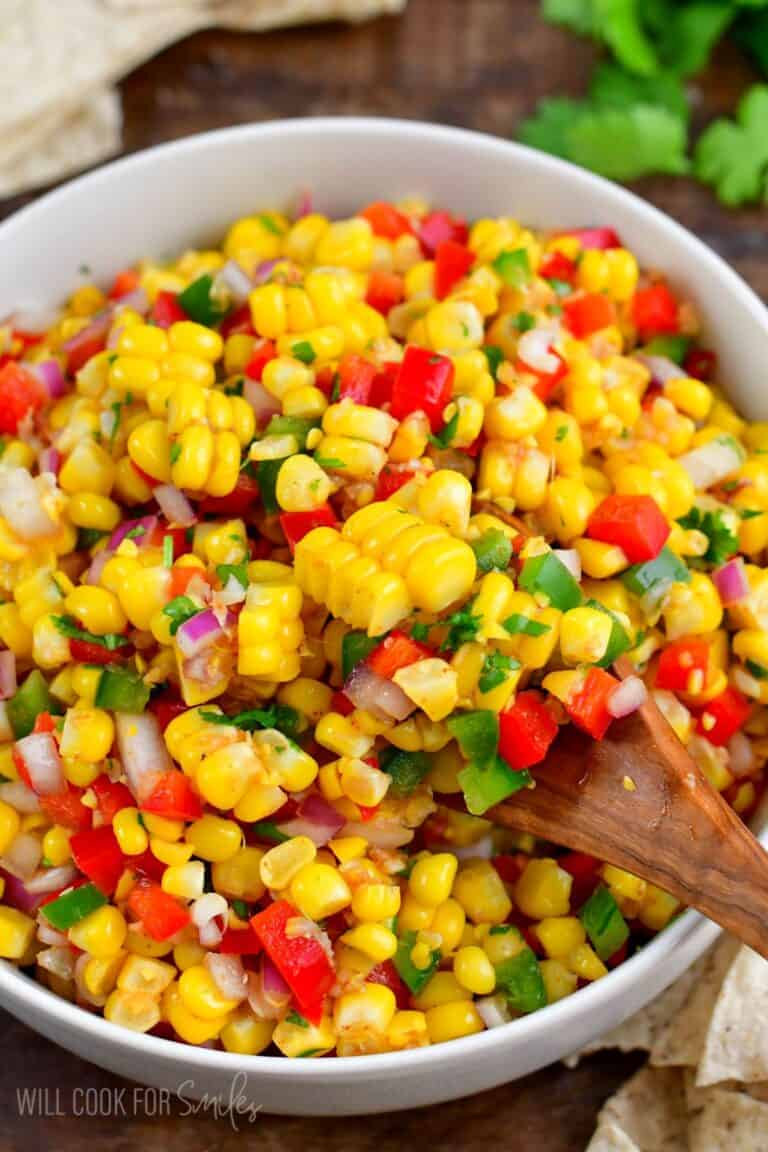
x,y
729,1122
681,1040
736,1044
610,1138
649,1110
638,1033
70,143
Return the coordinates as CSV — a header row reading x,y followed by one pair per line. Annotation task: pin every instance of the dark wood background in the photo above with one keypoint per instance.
x,y
480,64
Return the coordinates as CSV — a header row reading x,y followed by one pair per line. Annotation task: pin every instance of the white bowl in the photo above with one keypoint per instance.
x,y
186,193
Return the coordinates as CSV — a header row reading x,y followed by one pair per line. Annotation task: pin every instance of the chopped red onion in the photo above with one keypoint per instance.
x,y
142,750
316,819
22,506
373,693
263,271
7,675
97,329
16,793
52,879
50,375
741,756
137,301
40,754
174,505
197,633
264,404
731,582
231,283
304,207
17,895
93,575
571,559
630,695
141,531
22,857
228,975
276,991
535,350
49,460
493,1011
661,368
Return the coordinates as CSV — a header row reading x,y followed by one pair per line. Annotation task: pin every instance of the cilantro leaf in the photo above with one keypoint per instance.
x,y
722,542
239,571
619,24
279,716
179,610
687,33
549,129
420,632
69,627
495,670
613,87
574,14
494,356
732,155
751,33
463,627
624,144
446,434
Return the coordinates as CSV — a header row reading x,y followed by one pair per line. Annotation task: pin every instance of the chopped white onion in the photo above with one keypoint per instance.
x,y
22,506
52,879
206,907
40,754
264,404
19,796
373,693
174,505
535,350
571,559
142,750
59,961
713,462
481,850
228,975
741,756
630,695
231,284
22,856
493,1011
381,833
660,367
46,934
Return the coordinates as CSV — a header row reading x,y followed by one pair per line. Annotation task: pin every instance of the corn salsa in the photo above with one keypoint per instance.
x,y
309,545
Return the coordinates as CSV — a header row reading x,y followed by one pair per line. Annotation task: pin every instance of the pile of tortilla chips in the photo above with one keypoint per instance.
x,y
705,1086
60,61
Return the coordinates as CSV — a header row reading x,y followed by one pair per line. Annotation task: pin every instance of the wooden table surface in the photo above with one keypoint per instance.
x,y
480,64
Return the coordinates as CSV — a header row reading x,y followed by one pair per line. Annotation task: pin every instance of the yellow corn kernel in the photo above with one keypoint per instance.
x,y
339,735
184,880
142,340
131,834
214,838
149,449
14,632
432,877
55,843
143,974
302,485
195,448
133,374
348,419
624,884
191,1028
87,733
87,468
514,416
89,510
600,561
138,1011
319,890
585,962
451,1021
448,923
191,339
346,244
99,976
163,828
225,776
479,890
415,917
544,889
432,685
689,396
584,635
560,935
10,823
101,933
367,1010
304,1039
373,940
657,908
49,647
200,994
362,783
558,981
375,902
567,508
17,932
408,1029
474,971
280,864
168,853
245,1034
260,802
692,609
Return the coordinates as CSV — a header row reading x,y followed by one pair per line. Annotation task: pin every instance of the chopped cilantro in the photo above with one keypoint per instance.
x,y
494,356
279,716
134,533
495,670
239,571
751,513
296,1018
271,225
518,625
446,434
175,452
722,542
303,350
420,631
240,909
756,670
463,627
179,610
336,388
524,322
561,433
69,627
561,288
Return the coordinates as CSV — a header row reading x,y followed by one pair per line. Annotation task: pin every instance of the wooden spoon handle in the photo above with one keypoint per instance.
x,y
638,801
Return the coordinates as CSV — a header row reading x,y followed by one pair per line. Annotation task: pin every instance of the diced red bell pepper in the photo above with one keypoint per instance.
x,y
242,497
84,652
655,311
557,266
527,729
111,797
342,704
238,320
147,866
181,578
584,870
385,973
300,960
156,538
166,310
44,723
263,352
423,384
391,481
383,385
587,706
240,942
26,338
166,707
452,262
723,717
161,915
367,812
633,523
595,238
124,283
588,313
97,854
700,363
510,866
83,348
681,660
67,809
546,382
296,525
172,796
20,393
385,290
356,376
385,220
396,651
437,227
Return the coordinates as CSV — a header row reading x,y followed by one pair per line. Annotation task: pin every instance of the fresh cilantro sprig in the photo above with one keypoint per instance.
x,y
723,543
463,627
495,670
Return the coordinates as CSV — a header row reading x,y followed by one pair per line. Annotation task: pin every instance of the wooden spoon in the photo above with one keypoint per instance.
x,y
672,828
